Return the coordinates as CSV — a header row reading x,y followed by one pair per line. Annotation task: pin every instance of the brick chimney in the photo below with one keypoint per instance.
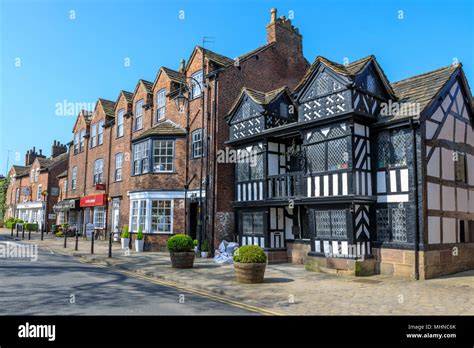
x,y
58,149
31,155
281,30
182,66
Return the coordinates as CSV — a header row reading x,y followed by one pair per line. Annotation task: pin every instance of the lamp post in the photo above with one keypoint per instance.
x,y
182,104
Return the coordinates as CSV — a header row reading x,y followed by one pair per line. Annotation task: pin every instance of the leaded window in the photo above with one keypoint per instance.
x,y
328,156
399,224
316,156
383,225
460,167
250,164
392,148
252,223
330,223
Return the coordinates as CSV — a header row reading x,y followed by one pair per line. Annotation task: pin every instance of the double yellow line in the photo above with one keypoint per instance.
x,y
233,303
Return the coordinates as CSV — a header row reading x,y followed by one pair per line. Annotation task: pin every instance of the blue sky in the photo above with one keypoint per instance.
x,y
47,57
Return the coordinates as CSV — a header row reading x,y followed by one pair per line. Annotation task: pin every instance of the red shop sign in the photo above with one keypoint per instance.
x,y
93,200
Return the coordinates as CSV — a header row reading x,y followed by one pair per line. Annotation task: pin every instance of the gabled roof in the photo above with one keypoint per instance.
x,y
47,163
127,95
173,75
254,52
424,87
211,56
261,98
86,115
108,106
166,127
350,70
147,84
21,170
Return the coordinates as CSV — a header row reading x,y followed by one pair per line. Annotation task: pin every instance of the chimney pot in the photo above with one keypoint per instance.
x,y
182,66
273,15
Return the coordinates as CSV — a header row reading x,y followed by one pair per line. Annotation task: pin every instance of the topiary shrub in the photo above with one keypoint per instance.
x,y
140,233
125,233
195,242
180,243
11,222
205,246
250,254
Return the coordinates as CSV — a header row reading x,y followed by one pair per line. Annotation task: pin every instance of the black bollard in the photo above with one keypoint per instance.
x,y
29,234
65,239
110,244
23,233
42,234
12,230
92,242
77,240
16,230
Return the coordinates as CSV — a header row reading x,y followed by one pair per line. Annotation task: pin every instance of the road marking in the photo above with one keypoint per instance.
x,y
234,303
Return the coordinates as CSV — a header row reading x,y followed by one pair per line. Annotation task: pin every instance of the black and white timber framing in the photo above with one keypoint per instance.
x,y
334,169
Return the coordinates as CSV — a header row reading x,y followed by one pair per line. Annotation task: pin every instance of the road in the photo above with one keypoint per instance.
x,y
56,284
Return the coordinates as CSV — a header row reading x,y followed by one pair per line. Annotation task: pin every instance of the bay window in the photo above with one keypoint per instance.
x,y
140,157
163,155
138,215
161,216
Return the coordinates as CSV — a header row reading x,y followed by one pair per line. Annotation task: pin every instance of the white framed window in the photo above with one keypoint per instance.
x,y
163,155
37,171
196,89
60,217
98,171
118,166
120,116
99,217
82,140
17,195
161,216
76,142
196,145
38,193
138,115
94,135
74,178
100,133
65,187
138,214
140,157
160,104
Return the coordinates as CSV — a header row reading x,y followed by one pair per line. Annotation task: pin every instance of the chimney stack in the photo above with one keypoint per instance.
x,y
58,149
280,30
182,66
31,155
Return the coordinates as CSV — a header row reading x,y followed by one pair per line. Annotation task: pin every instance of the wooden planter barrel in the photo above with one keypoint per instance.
x,y
249,273
182,259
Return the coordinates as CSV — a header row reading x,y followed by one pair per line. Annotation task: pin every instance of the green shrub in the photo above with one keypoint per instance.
x,y
59,234
125,233
205,245
140,233
11,222
195,242
30,226
180,243
250,254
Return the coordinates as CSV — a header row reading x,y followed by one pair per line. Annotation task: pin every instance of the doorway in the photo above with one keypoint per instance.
x,y
193,219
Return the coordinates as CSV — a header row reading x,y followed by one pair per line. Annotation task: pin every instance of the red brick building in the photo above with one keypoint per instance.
x,y
154,159
33,189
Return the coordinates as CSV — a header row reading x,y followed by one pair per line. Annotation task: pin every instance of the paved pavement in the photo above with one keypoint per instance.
x,y
289,289
61,285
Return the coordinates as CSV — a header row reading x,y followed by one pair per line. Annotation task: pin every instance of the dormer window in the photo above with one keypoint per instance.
x,y
196,89
160,104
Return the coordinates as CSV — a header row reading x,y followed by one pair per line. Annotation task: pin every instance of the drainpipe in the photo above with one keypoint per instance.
x,y
107,226
417,218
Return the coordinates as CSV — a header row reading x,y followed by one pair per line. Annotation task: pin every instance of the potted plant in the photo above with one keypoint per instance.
x,y
204,249
181,251
139,240
195,243
125,237
249,264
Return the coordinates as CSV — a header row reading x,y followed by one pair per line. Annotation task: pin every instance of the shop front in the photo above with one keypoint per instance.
x,y
32,212
67,212
95,212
